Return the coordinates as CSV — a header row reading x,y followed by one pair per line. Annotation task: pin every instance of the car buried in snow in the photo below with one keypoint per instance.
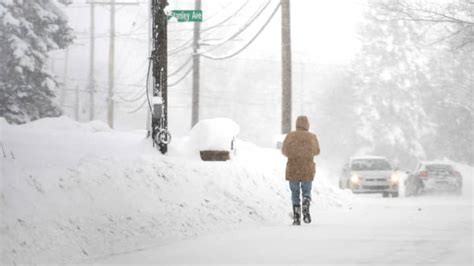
x,y
433,177
370,174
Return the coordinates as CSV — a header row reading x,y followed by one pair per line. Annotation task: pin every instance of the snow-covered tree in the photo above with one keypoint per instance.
x,y
449,102
414,79
389,79
28,31
444,22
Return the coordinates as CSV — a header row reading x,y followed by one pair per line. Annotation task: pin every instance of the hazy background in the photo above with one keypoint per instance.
x,y
391,78
324,42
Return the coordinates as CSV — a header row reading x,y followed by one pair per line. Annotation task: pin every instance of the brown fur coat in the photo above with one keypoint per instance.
x,y
300,147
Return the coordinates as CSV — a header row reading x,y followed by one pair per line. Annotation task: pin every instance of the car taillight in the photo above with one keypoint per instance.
x,y
424,174
456,173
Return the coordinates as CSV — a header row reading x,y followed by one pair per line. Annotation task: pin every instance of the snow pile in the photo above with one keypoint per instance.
x,y
65,123
70,192
214,134
207,134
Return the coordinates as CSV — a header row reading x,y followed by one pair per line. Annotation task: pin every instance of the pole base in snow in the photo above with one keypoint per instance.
x,y
211,155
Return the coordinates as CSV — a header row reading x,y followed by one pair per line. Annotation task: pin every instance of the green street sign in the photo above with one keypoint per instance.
x,y
187,15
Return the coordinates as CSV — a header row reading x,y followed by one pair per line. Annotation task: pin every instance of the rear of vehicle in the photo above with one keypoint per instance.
x,y
371,175
439,177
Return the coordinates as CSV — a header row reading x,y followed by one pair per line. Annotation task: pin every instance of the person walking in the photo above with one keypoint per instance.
x,y
300,146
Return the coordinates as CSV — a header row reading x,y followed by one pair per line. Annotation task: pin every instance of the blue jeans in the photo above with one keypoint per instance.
x,y
295,191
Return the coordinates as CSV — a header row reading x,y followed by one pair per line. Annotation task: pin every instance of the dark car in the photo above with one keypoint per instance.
x,y
433,177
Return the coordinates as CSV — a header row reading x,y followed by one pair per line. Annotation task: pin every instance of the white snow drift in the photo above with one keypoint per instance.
x,y
73,191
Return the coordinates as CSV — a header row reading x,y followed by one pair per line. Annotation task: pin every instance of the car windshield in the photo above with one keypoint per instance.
x,y
439,168
370,165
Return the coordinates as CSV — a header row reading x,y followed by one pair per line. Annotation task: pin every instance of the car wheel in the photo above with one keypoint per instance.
x,y
395,195
385,194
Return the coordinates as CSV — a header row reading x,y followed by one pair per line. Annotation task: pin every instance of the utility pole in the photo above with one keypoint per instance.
x,y
159,121
91,61
112,3
110,109
286,67
65,76
76,104
196,67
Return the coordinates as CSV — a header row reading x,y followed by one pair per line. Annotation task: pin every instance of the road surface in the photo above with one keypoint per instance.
x,y
427,230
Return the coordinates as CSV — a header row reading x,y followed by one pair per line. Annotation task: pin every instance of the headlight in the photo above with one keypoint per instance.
x,y
355,178
395,177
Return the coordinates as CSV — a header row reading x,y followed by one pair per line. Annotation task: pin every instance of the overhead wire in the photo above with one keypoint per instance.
x,y
180,67
180,79
243,28
138,107
132,99
248,43
226,19
188,43
147,85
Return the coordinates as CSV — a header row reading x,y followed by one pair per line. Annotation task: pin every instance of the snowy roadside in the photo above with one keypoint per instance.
x,y
375,231
71,192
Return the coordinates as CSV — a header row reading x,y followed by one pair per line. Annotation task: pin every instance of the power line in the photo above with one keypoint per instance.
x,y
133,99
242,29
180,67
248,43
180,79
142,93
227,19
187,44
183,47
138,107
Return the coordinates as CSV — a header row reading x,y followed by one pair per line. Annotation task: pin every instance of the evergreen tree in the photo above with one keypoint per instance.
x,y
28,31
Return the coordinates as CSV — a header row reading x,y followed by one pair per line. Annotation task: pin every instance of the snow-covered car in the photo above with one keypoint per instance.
x,y
433,177
370,174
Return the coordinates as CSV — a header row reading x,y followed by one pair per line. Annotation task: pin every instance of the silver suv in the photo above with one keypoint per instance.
x,y
369,174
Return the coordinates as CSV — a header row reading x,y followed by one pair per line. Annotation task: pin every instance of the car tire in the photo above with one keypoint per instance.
x,y
385,194
395,195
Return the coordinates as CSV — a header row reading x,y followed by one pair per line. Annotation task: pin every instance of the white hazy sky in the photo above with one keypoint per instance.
x,y
323,32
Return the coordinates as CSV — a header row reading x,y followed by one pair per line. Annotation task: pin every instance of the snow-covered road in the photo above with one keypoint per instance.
x,y
425,230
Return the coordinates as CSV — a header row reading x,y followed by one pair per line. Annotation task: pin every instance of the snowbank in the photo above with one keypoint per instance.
x,y
73,191
207,134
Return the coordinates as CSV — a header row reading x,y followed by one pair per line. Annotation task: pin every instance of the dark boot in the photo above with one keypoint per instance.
x,y
306,215
296,214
